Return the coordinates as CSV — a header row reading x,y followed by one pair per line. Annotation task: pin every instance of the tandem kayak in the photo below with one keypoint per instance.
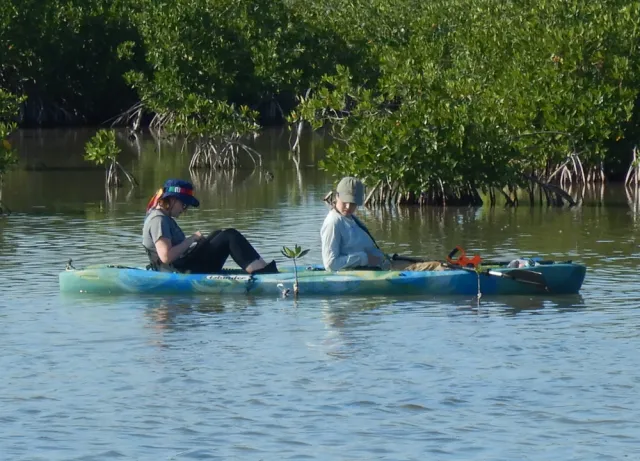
x,y
559,278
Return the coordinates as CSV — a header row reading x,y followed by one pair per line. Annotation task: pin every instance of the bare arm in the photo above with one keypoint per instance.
x,y
168,253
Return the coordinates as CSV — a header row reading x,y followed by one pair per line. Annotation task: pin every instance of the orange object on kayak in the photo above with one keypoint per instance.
x,y
462,260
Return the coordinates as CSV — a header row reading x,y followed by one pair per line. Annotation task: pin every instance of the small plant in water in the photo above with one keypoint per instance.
x,y
9,105
103,150
8,156
296,253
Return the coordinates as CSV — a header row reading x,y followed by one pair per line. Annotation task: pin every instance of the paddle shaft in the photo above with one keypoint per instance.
x,y
517,275
397,257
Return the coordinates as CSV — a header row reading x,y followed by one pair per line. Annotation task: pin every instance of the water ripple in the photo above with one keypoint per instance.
x,y
177,378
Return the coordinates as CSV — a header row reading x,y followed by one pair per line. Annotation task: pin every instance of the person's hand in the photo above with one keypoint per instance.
x,y
196,236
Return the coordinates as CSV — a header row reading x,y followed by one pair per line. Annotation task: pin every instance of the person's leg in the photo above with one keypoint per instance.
x,y
256,265
200,259
210,255
232,243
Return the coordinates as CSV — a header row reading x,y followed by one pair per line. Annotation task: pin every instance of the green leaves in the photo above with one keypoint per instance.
x,y
8,156
416,93
475,93
200,117
9,105
295,253
62,55
102,148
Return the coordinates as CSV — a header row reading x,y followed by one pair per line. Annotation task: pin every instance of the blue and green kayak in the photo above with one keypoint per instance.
x,y
558,278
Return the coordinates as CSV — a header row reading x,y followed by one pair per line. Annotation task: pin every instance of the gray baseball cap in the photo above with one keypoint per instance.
x,y
350,190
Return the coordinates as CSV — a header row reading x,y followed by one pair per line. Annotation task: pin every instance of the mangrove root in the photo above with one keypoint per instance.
x,y
132,116
555,195
4,210
391,193
113,178
222,156
571,171
634,170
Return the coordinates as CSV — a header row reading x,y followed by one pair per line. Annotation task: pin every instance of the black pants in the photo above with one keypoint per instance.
x,y
211,253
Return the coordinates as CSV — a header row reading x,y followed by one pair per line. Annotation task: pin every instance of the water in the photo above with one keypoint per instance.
x,y
180,378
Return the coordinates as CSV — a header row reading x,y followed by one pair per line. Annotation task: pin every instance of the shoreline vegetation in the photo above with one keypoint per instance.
x,y
437,103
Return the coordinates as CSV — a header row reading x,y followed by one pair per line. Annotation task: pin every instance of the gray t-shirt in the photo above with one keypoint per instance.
x,y
156,225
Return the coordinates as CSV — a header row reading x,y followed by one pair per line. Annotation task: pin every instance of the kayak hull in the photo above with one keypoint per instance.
x,y
561,278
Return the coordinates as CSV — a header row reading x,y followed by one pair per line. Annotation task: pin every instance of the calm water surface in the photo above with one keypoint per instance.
x,y
181,378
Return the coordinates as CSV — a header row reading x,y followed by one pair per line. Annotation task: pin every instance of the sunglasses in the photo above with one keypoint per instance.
x,y
183,205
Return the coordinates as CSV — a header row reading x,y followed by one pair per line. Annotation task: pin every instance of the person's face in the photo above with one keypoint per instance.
x,y
177,207
345,208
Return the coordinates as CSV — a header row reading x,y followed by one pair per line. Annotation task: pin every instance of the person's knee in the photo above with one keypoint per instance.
x,y
231,232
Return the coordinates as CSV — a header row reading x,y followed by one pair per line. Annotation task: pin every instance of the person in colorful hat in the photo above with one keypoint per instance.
x,y
346,242
169,249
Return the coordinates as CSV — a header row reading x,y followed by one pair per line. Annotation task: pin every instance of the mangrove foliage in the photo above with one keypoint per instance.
x,y
437,102
102,150
9,105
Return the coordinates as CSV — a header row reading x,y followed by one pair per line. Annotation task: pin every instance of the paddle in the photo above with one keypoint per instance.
x,y
517,275
462,262
412,259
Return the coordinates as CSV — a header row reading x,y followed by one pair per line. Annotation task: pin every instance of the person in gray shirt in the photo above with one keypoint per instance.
x,y
170,250
346,242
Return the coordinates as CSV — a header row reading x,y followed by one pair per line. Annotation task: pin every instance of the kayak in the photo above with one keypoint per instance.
x,y
558,278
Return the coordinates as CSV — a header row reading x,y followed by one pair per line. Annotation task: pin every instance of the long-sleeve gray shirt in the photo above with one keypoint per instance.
x,y
344,243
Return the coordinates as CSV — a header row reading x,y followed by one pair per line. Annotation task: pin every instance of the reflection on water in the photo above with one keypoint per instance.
x,y
205,377
173,314
344,322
